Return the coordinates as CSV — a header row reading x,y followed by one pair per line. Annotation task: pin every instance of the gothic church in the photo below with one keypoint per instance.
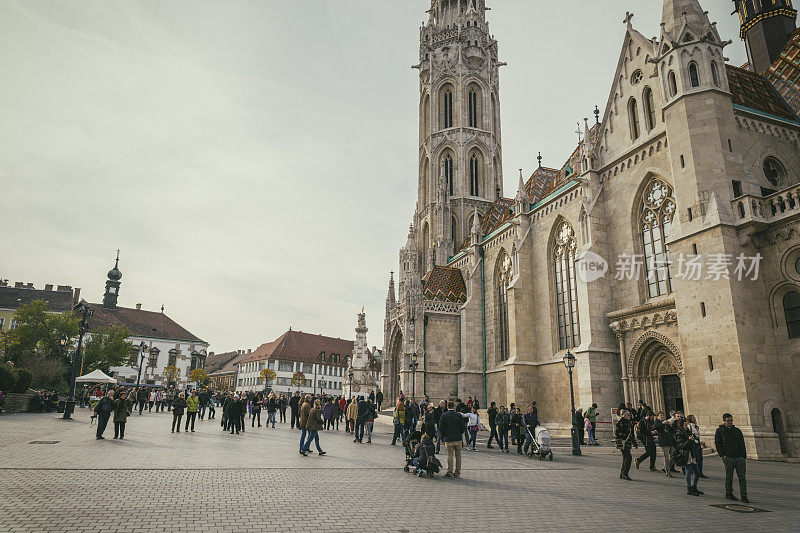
x,y
692,162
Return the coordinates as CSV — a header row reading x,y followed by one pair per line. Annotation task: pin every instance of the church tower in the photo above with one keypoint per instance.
x,y
460,162
765,28
112,286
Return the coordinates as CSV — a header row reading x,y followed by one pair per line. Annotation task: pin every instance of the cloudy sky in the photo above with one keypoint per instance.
x,y
255,161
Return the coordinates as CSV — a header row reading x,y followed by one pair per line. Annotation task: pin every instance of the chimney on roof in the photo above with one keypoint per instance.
x,y
29,285
18,284
48,287
139,307
64,288
239,351
76,298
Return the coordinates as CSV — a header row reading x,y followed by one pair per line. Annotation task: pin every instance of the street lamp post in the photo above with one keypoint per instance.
x,y
142,348
351,375
413,366
569,362
83,310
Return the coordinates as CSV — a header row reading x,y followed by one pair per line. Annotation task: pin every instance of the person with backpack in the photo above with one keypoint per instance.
x,y
625,439
646,434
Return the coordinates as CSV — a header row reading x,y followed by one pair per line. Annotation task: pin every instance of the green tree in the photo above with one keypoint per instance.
x,y
39,331
107,347
171,373
199,375
298,379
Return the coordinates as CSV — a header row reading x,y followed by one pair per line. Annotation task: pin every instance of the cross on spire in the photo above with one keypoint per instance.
x,y
540,159
628,17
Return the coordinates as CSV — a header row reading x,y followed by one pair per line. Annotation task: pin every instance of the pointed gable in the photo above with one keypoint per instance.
x,y
539,182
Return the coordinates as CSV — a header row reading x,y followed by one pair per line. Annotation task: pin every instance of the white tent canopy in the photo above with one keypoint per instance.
x,y
95,377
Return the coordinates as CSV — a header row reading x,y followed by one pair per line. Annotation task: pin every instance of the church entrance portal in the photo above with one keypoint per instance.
x,y
673,395
655,374
396,358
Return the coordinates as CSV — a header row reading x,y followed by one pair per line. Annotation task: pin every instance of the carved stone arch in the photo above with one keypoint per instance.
x,y
643,354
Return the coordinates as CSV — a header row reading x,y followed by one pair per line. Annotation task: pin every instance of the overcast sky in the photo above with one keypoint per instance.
x,y
255,161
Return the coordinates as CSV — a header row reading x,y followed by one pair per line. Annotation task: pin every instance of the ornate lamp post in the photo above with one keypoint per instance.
x,y
142,348
84,312
569,362
351,375
413,367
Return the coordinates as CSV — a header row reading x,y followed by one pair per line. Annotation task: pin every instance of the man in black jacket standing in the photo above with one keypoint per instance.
x,y
665,429
103,411
729,442
294,405
646,435
492,412
451,427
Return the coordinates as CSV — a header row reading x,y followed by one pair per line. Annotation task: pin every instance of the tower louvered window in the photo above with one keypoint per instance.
x,y
566,288
649,108
633,110
474,169
473,108
448,173
447,108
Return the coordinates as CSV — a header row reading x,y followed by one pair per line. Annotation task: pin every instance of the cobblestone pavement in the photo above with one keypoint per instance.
x,y
211,481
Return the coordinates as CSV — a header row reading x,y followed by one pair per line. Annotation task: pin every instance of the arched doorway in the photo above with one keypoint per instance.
x,y
655,373
396,361
778,427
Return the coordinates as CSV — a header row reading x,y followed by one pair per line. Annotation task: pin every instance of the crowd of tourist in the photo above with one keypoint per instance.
x,y
455,424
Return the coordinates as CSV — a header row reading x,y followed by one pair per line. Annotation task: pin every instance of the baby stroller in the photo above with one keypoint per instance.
x,y
411,442
540,443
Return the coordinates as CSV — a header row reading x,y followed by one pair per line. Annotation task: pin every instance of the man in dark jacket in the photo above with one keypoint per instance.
x,y
294,405
437,416
492,413
646,435
577,422
141,396
530,421
451,427
665,429
729,442
103,411
379,399
362,410
204,398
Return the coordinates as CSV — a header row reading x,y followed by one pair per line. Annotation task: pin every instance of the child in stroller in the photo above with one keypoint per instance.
x,y
411,441
425,460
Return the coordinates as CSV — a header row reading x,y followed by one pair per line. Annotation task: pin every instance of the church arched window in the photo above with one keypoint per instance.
x,y
649,108
714,74
694,77
791,310
426,117
447,164
633,111
673,84
564,247
447,107
474,174
655,220
454,232
504,274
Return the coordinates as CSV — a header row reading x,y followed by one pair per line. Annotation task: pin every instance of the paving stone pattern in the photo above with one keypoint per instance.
x,y
155,481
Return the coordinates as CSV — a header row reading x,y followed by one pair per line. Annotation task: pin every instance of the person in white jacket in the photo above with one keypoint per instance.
x,y
473,426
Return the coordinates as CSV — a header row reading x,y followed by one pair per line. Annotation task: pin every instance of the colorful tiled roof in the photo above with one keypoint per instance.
x,y
141,323
303,347
500,212
749,89
539,182
445,284
784,74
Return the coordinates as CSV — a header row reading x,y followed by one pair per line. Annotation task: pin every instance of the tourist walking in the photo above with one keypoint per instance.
x,y
314,423
372,414
103,411
327,414
686,451
664,430
647,436
530,421
591,414
516,428
492,414
587,425
399,419
141,395
729,442
178,405
192,406
305,410
691,423
451,426
255,410
361,419
379,399
294,408
236,411
503,422
272,408
282,403
473,426
625,439
350,415
122,409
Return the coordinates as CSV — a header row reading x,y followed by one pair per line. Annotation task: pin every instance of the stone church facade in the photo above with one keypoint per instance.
x,y
664,253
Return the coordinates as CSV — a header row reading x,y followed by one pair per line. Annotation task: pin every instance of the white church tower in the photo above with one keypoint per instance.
x,y
460,166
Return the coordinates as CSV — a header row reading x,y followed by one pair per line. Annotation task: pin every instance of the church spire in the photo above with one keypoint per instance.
x,y
678,16
112,286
